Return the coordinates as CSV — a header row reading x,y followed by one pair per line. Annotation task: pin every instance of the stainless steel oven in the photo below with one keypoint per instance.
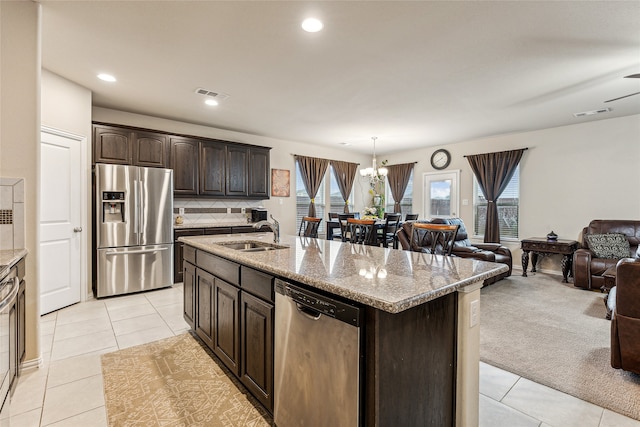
x,y
8,330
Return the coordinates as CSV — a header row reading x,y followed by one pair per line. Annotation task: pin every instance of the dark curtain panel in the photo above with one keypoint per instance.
x,y
312,170
493,172
345,174
398,177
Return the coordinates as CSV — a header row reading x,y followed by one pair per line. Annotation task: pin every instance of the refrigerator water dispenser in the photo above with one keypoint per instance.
x,y
113,206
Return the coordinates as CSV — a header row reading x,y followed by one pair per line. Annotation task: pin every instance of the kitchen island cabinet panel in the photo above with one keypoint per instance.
x,y
205,288
256,371
189,293
226,324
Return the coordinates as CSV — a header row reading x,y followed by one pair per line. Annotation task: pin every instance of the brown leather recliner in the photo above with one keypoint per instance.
x,y
587,268
463,248
625,322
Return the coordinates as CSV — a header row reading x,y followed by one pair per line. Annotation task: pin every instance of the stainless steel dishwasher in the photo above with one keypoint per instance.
x,y
317,372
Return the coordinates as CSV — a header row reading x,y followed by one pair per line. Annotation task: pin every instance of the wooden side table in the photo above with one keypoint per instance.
x,y
539,246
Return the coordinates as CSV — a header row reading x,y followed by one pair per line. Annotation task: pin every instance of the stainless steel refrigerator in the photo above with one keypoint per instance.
x,y
133,229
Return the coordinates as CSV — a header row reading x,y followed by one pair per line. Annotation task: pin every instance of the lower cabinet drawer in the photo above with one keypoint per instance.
x,y
257,283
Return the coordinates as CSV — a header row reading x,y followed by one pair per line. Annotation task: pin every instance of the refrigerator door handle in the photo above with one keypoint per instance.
x,y
135,203
138,251
141,209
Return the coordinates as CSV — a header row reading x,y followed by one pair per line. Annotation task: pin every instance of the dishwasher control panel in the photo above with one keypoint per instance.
x,y
320,304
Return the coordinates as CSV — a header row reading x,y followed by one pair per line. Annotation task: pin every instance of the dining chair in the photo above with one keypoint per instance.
x,y
433,238
333,232
309,226
342,220
387,233
362,231
411,217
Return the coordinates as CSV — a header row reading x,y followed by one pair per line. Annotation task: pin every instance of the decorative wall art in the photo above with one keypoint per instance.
x,y
280,182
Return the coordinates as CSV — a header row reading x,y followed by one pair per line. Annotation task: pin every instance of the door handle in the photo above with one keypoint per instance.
x,y
77,229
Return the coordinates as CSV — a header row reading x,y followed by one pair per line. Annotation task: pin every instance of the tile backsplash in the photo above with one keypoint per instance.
x,y
202,211
12,234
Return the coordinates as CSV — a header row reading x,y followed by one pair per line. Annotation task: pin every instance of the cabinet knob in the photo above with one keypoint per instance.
x,y
77,230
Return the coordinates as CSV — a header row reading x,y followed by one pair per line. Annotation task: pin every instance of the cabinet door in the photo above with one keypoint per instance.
x,y
213,159
259,173
227,332
184,162
256,371
204,307
112,145
150,149
21,323
178,251
189,293
237,169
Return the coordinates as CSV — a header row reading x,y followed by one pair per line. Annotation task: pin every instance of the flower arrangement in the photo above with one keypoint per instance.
x,y
371,211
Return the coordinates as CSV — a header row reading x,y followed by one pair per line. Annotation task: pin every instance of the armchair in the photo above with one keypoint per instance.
x,y
625,322
588,268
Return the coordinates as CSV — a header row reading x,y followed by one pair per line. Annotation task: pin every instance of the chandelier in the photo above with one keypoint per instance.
x,y
374,173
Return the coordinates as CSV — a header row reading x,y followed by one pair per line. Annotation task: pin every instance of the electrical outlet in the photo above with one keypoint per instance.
x,y
474,313
465,202
181,210
243,210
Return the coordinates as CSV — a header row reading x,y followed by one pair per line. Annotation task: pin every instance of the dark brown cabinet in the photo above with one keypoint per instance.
x,y
237,171
213,160
226,324
112,145
234,316
178,251
259,173
256,341
204,319
185,155
189,293
150,150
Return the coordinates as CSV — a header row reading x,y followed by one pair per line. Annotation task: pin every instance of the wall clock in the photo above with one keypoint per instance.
x,y
440,159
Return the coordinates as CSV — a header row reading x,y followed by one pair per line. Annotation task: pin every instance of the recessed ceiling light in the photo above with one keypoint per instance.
x,y
211,102
312,25
345,143
106,77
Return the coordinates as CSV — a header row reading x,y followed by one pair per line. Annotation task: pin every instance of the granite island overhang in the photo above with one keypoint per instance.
x,y
421,334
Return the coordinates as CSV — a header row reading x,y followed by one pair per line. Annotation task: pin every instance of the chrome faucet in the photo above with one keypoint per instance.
x,y
274,226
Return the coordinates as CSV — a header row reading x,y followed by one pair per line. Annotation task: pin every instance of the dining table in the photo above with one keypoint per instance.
x,y
335,224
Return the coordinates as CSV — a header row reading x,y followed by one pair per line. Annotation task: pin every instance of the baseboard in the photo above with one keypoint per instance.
x,y
33,364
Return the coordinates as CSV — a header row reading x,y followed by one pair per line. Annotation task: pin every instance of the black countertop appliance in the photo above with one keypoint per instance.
x,y
258,214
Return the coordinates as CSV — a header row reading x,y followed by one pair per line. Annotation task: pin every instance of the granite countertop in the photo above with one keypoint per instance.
x,y
212,225
9,258
391,280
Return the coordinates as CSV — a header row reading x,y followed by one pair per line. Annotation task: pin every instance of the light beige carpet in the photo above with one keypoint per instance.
x,y
555,334
175,382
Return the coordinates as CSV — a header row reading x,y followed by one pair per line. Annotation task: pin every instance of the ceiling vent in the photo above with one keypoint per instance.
x,y
592,112
218,96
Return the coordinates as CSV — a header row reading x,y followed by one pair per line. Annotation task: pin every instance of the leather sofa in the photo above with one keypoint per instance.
x,y
588,269
625,321
463,248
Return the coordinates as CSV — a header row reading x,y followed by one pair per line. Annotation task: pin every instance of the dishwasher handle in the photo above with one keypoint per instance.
x,y
308,312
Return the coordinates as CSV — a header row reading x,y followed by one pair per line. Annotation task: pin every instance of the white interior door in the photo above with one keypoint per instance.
x,y
61,230
441,191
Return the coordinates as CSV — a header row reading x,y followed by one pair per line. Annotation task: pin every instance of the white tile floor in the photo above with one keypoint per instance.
x,y
67,390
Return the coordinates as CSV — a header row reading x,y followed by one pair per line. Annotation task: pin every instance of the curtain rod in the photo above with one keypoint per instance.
x,y
331,160
505,151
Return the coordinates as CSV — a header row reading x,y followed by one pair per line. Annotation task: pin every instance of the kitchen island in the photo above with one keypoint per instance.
x,y
419,334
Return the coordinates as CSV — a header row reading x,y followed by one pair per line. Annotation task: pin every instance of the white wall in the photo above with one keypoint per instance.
x,y
282,208
66,106
20,135
568,176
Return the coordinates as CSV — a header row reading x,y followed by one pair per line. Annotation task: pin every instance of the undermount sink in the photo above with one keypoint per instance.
x,y
251,246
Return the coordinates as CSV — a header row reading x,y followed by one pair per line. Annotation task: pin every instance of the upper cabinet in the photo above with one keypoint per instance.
x,y
184,162
130,147
201,167
112,145
151,150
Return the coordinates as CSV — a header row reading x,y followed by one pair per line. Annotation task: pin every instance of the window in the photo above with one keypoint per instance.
x,y
508,204
406,204
330,193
